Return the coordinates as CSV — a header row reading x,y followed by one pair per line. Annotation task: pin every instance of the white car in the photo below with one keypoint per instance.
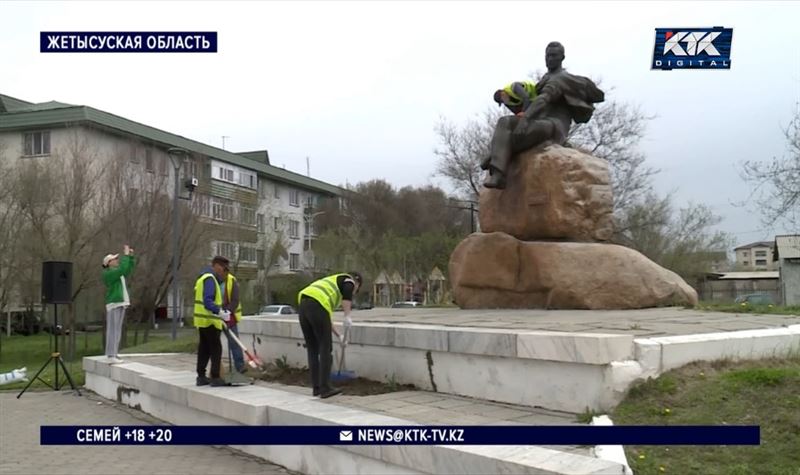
x,y
276,311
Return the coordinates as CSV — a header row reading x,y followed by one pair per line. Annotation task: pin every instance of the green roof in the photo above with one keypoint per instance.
x,y
261,156
18,114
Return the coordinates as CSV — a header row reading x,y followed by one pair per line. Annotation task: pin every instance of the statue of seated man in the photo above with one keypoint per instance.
x,y
561,98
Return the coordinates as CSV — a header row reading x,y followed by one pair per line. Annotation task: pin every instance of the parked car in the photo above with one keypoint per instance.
x,y
755,299
276,310
364,306
407,304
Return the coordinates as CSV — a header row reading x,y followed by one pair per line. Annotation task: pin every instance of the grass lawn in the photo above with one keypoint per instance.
x,y
764,393
32,351
748,308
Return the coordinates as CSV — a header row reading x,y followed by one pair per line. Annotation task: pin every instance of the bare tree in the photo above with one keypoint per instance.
x,y
139,211
776,183
60,197
9,228
682,241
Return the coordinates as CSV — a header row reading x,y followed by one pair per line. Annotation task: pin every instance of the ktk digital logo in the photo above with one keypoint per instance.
x,y
692,48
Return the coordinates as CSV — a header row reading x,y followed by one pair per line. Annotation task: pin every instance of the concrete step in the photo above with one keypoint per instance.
x,y
162,386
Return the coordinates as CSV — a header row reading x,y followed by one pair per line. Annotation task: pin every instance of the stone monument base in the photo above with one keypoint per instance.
x,y
495,270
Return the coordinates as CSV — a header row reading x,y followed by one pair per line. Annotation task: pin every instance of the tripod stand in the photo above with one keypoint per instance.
x,y
55,358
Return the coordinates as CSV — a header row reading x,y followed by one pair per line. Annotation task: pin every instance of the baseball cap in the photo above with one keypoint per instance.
x,y
109,258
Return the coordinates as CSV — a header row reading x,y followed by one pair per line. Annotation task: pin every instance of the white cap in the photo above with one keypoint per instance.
x,y
109,258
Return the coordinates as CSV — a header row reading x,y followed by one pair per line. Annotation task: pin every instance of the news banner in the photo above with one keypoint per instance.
x,y
400,435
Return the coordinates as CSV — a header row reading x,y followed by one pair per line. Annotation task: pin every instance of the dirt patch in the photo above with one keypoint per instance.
x,y
353,387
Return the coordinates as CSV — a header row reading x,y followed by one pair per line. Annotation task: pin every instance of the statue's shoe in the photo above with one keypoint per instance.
x,y
496,180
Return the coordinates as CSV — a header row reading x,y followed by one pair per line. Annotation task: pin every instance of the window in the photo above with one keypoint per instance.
x,y
248,216
164,164
262,188
148,161
309,228
294,229
761,262
276,223
37,143
761,253
277,191
222,210
225,174
311,201
247,254
226,249
747,263
134,152
202,205
745,253
294,261
260,222
294,197
248,179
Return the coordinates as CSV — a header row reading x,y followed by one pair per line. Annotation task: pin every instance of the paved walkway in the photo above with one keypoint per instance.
x,y
641,323
422,407
20,452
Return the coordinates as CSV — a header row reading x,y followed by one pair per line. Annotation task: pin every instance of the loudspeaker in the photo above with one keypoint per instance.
x,y
56,282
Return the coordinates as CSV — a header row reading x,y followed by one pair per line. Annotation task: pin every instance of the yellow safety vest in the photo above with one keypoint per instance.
x,y
325,291
202,316
228,290
530,88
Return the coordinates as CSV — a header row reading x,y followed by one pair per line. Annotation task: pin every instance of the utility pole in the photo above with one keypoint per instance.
x,y
223,141
308,167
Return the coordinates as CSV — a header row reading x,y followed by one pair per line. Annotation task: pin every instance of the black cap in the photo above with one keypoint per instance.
x,y
223,261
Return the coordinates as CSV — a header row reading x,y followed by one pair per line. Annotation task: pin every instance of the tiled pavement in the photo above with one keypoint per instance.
x,y
20,452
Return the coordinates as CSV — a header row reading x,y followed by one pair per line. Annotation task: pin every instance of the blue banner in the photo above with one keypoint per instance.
x,y
399,435
692,48
128,42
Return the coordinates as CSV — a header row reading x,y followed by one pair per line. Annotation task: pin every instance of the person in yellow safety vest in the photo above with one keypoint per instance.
x,y
209,317
316,304
516,96
232,303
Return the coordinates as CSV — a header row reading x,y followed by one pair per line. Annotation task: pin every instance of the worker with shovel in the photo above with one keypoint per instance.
x,y
317,303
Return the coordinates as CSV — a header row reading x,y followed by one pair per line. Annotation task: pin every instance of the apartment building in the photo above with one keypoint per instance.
x,y
756,256
249,203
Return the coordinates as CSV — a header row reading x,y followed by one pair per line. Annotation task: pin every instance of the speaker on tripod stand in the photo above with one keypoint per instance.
x,y
56,289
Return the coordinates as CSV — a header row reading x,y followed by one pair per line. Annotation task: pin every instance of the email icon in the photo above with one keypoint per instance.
x,y
345,436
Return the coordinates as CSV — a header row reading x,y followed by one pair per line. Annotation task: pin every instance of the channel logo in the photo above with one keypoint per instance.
x,y
692,48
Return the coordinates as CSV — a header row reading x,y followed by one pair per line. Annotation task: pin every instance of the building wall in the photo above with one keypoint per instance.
x,y
147,162
790,281
756,258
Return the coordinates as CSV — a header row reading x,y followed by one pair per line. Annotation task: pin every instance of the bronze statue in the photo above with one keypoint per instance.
x,y
561,98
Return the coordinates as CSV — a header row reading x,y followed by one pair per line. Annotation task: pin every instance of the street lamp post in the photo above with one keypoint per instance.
x,y
176,156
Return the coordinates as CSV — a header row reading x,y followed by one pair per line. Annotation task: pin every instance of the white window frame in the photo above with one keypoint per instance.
x,y
294,229
294,197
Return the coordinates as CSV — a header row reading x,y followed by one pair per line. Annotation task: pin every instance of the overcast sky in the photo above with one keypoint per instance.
x,y
358,86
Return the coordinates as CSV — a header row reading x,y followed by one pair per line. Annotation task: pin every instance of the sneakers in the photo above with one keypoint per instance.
x,y
202,381
316,391
330,392
114,360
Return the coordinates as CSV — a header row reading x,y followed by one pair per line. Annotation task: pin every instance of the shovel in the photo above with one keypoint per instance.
x,y
342,374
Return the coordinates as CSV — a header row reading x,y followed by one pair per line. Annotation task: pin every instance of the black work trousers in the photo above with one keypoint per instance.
x,y
209,347
316,325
